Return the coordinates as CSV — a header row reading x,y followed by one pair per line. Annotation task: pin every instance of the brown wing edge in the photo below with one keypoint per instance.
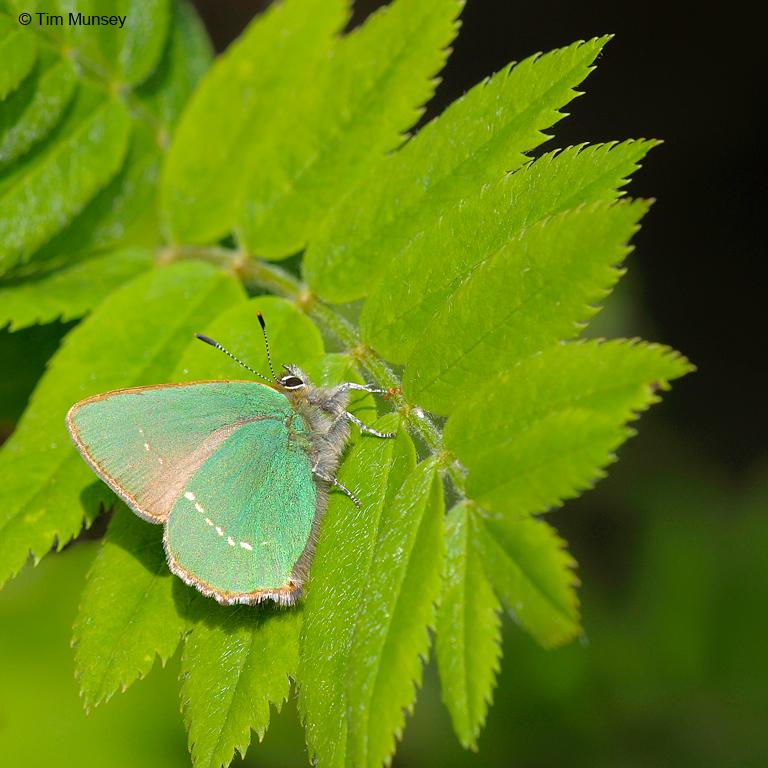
x,y
96,467
286,595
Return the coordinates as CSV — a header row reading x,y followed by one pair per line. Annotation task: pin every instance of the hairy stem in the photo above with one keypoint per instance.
x,y
256,273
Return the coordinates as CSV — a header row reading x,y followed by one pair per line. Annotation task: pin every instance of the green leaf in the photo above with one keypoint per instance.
x,y
186,57
363,99
35,109
124,212
478,139
236,661
42,196
420,280
392,631
128,614
121,214
556,458
17,52
70,292
616,379
238,103
342,574
532,573
535,291
468,636
116,56
542,432
132,338
124,56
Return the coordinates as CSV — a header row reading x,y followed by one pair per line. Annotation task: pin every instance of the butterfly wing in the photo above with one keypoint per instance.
x,y
243,521
146,443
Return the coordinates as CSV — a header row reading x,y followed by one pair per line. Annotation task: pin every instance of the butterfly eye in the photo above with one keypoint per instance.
x,y
291,382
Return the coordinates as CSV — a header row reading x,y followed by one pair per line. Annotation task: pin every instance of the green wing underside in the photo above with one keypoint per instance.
x,y
223,464
146,443
244,519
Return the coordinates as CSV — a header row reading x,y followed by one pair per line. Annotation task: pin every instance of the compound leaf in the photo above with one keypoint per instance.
x,y
478,139
80,174
124,212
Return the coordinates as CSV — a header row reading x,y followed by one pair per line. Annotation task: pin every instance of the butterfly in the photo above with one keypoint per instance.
x,y
237,472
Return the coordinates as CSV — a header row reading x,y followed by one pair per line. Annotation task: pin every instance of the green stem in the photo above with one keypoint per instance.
x,y
256,273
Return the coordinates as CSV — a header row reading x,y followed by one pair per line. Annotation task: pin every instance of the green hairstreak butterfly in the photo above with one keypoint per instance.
x,y
237,472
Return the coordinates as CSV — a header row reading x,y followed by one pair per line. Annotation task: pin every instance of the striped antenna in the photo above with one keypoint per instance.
x,y
218,346
266,343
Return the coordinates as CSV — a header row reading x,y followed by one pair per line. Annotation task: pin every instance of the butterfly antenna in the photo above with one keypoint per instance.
x,y
266,343
218,346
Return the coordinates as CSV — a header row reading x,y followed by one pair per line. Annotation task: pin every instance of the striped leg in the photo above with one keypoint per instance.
x,y
366,428
334,482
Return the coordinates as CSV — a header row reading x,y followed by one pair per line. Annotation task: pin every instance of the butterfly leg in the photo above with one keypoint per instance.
x,y
366,428
334,482
362,388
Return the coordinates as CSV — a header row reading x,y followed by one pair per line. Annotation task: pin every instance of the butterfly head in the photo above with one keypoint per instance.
x,y
293,379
